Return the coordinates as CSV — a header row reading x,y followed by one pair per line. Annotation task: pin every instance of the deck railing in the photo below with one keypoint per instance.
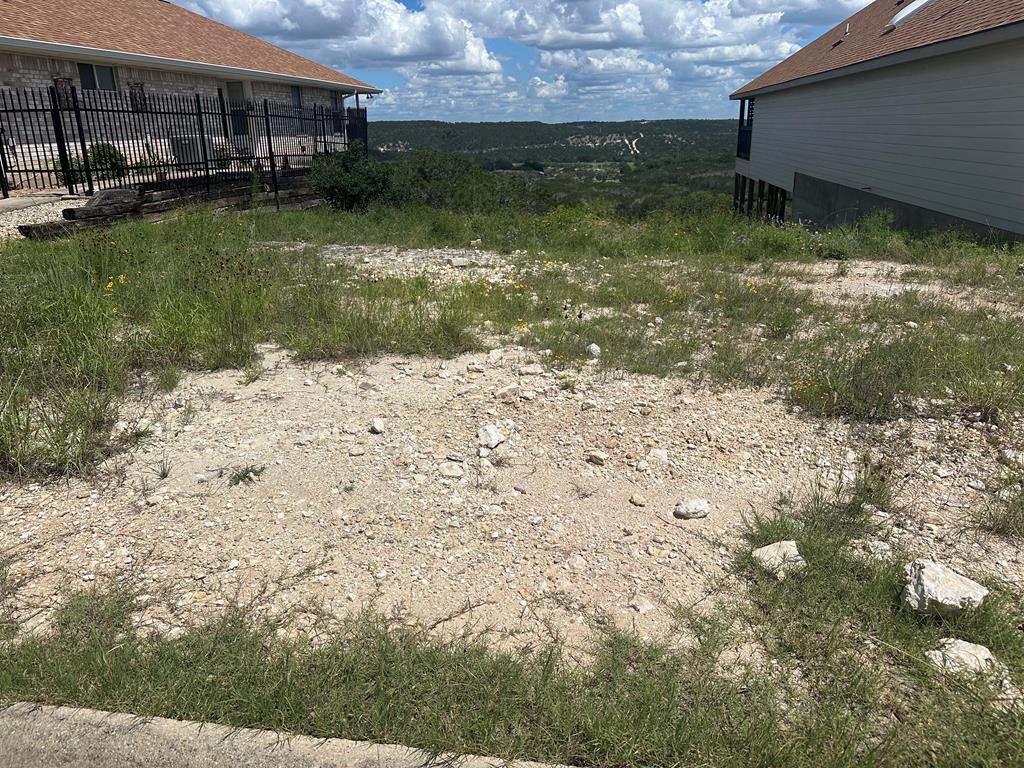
x,y
88,140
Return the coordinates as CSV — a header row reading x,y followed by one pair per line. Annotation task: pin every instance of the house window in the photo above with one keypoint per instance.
x,y
297,97
96,77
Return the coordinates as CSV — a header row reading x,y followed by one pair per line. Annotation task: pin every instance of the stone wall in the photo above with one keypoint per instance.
x,y
24,71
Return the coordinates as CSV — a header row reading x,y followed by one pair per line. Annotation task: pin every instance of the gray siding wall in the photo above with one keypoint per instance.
x,y
945,133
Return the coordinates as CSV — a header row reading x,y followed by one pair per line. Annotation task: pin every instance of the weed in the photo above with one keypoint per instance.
x,y
162,469
251,374
1003,514
250,473
168,377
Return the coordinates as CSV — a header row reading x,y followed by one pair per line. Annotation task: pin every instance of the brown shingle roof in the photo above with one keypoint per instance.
x,y
868,38
156,28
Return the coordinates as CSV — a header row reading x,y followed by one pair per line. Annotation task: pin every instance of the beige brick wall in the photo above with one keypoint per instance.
x,y
19,71
282,93
22,71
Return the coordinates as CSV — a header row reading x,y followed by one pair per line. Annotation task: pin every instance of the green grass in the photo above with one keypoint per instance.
x,y
699,296
855,654
1003,514
836,675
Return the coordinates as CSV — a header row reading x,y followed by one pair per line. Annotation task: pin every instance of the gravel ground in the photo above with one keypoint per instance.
x,y
36,214
533,537
286,490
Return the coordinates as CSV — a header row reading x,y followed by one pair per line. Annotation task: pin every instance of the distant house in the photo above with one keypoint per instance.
x,y
914,106
140,47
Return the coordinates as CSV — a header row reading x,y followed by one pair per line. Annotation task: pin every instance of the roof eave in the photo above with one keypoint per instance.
x,y
954,45
183,65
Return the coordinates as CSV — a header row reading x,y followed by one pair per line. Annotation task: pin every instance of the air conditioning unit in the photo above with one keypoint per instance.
x,y
187,149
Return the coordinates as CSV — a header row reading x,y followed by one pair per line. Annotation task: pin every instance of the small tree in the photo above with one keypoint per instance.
x,y
350,180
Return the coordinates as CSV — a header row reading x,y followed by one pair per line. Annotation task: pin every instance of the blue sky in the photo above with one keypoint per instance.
x,y
552,60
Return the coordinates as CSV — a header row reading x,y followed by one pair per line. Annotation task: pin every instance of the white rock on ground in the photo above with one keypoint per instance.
x,y
779,558
377,426
873,549
936,589
593,351
597,457
960,657
641,604
491,436
692,509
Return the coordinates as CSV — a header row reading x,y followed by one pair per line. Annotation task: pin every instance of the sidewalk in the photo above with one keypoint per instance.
x,y
33,736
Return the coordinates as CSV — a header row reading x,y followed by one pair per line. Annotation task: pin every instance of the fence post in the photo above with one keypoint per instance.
x,y
81,141
270,153
224,114
4,187
62,148
316,129
202,140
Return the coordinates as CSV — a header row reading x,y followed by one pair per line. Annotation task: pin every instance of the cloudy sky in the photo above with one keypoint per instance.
x,y
552,60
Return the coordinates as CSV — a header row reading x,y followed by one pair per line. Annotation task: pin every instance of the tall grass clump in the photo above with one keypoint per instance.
x,y
1003,513
84,315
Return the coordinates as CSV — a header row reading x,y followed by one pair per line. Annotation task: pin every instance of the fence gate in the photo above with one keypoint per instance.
x,y
83,141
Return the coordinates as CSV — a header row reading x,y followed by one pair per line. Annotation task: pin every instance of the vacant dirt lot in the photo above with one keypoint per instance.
x,y
333,488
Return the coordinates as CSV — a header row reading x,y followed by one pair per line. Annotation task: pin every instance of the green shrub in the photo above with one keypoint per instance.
x,y
76,175
444,181
350,180
107,162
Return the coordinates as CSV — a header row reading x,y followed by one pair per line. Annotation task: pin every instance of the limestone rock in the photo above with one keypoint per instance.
x,y
593,351
451,469
692,509
491,436
377,427
960,657
780,558
936,589
641,604
873,549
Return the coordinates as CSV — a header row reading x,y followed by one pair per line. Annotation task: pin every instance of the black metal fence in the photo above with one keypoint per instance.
x,y
88,140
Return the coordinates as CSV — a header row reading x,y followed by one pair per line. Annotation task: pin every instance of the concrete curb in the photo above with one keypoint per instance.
x,y
38,736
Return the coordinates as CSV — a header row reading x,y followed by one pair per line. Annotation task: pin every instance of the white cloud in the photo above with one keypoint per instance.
x,y
549,90
666,57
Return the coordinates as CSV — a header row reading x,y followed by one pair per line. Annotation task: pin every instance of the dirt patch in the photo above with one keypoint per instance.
x,y
849,282
530,538
286,490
